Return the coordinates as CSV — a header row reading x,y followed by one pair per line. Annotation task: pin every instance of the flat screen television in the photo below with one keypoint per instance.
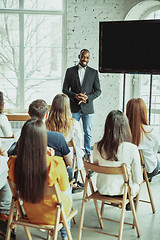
x,y
129,47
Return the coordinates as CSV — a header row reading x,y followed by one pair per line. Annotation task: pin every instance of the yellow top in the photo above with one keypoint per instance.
x,y
44,211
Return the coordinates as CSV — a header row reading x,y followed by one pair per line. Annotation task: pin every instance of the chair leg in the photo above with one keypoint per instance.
x,y
55,235
122,221
123,212
134,215
82,210
96,206
82,177
98,214
83,180
66,225
81,220
8,233
28,233
150,195
48,235
74,218
19,211
102,209
136,207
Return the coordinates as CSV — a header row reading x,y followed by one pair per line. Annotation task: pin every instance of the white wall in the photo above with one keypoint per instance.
x,y
83,17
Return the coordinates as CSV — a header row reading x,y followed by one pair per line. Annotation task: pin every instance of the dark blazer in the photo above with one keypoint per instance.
x,y
90,86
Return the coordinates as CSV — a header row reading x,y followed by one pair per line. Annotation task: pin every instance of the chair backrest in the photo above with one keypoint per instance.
x,y
141,157
8,137
71,144
121,170
60,219
49,190
146,179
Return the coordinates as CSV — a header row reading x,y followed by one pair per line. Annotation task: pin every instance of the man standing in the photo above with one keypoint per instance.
x,y
82,86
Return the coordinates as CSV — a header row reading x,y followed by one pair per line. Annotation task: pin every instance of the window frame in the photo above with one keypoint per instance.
x,y
22,12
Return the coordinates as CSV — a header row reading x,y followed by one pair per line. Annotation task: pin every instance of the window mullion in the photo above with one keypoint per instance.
x,y
21,59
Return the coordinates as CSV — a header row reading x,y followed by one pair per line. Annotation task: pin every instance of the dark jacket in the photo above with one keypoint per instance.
x,y
90,86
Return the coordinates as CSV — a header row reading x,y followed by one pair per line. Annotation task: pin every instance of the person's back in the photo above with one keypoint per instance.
x,y
109,184
5,126
59,120
149,145
114,149
42,212
31,169
144,136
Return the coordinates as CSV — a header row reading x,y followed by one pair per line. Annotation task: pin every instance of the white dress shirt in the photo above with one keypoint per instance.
x,y
81,73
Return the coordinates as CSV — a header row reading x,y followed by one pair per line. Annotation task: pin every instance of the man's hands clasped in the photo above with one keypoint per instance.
x,y
81,97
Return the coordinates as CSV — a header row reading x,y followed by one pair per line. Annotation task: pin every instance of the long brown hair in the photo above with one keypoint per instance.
x,y
116,131
59,119
136,112
31,165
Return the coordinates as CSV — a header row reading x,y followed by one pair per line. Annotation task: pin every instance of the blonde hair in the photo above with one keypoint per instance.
x,y
59,119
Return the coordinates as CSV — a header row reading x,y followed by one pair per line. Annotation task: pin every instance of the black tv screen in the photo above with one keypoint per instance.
x,y
129,47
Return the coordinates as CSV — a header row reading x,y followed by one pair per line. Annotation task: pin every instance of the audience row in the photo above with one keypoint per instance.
x,y
33,164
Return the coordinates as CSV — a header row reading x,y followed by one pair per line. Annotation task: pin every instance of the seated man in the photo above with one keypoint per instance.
x,y
39,109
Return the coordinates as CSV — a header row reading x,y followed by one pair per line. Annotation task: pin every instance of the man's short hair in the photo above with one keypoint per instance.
x,y
38,108
84,50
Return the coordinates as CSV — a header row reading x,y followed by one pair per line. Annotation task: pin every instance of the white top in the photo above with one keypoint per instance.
x,y
5,126
3,170
76,134
81,73
113,184
149,146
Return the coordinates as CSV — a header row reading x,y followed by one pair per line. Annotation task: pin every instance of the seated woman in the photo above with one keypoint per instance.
x,y
114,149
5,126
30,170
143,135
5,194
59,120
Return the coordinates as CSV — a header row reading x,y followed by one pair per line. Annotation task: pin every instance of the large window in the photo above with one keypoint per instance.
x,y
149,87
30,51
144,85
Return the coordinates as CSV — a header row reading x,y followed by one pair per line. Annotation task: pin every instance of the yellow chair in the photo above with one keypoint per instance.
x,y
24,221
146,180
121,202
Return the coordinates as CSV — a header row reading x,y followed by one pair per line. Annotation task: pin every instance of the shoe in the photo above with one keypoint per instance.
x,y
91,173
42,230
80,184
115,204
150,179
128,206
3,229
88,157
77,189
